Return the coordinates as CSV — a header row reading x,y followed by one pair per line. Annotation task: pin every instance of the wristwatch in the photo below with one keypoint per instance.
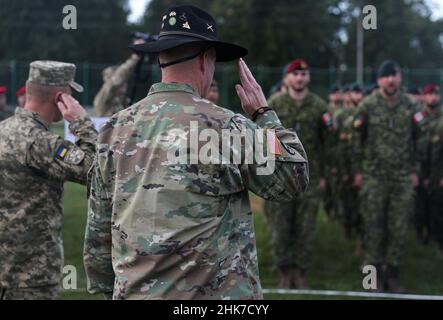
x,y
260,111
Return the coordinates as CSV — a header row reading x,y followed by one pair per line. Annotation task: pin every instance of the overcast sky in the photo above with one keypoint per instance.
x,y
138,8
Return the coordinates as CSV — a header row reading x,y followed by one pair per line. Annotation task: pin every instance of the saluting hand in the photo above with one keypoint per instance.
x,y
70,108
250,93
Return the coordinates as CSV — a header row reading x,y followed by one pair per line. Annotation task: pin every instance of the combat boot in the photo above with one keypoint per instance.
x,y
391,281
299,279
285,278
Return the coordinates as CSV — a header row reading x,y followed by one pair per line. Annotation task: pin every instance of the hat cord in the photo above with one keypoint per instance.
x,y
167,64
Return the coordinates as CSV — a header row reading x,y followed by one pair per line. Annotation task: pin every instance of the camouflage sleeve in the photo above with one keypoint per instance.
x,y
97,251
61,159
107,91
358,137
287,177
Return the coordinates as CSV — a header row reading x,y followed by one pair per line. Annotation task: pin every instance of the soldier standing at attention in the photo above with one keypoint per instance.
x,y
424,123
385,166
164,229
292,223
34,164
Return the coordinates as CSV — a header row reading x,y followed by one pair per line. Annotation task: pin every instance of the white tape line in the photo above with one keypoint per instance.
x,y
353,294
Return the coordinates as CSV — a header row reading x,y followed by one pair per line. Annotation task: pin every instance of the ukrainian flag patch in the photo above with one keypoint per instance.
x,y
61,152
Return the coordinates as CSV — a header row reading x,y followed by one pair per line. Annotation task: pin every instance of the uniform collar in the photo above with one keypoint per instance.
x,y
25,113
171,87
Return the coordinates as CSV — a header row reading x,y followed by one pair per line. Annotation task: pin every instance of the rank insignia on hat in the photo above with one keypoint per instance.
x,y
186,25
303,65
61,152
164,17
172,14
172,21
209,27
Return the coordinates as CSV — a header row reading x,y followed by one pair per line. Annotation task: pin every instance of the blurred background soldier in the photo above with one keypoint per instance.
x,y
213,93
348,194
21,96
385,167
34,164
436,183
5,110
424,125
112,96
292,224
415,95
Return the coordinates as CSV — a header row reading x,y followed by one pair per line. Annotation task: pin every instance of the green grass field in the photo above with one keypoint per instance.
x,y
335,263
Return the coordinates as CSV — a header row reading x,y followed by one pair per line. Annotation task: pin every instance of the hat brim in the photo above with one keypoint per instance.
x,y
77,87
224,51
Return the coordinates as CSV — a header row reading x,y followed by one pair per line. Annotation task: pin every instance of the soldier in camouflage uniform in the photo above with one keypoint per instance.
x,y
162,229
330,198
385,164
5,110
436,183
112,95
347,194
34,164
292,224
423,123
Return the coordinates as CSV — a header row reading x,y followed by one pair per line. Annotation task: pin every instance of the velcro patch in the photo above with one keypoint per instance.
x,y
74,156
61,152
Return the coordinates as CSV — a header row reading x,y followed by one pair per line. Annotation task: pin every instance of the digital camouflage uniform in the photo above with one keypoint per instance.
x,y
108,100
423,123
292,224
159,230
34,164
435,176
384,155
348,194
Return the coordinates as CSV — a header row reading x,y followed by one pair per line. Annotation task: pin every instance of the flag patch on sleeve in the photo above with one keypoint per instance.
x,y
61,152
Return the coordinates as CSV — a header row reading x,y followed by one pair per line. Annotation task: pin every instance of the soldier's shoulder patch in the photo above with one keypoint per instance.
x,y
418,117
327,119
357,123
70,155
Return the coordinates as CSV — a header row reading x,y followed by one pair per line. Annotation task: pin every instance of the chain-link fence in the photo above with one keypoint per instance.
x,y
14,74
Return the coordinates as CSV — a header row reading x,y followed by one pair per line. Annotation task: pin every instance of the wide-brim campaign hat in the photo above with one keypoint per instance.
x,y
188,24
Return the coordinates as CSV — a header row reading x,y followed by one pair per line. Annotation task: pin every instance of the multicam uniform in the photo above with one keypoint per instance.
x,y
159,230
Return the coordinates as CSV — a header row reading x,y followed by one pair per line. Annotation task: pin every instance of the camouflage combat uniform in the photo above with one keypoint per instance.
x,y
330,198
348,194
108,100
159,230
384,155
435,176
34,164
292,224
423,122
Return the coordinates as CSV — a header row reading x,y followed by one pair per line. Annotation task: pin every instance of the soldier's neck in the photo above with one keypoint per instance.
x,y
46,112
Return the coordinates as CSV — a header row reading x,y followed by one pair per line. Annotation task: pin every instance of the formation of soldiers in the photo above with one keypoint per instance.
x,y
159,229
379,150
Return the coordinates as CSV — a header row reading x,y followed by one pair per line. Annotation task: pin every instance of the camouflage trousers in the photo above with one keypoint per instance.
x,y
349,203
52,292
386,209
292,226
436,215
422,211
